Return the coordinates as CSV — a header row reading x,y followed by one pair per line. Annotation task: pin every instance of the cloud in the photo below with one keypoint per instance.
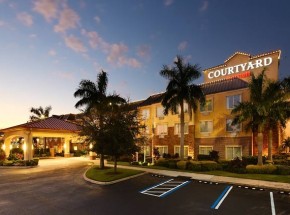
x,y
47,8
68,19
74,43
168,2
144,51
116,53
95,40
65,75
2,23
182,46
204,6
97,19
52,52
117,56
25,18
32,36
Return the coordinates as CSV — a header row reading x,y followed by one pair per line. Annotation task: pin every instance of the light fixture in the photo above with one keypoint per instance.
x,y
91,146
24,147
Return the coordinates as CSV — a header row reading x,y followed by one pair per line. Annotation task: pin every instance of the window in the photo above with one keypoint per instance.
x,y
204,150
162,150
206,126
207,107
162,129
146,114
232,128
177,128
232,101
160,112
185,108
233,152
177,150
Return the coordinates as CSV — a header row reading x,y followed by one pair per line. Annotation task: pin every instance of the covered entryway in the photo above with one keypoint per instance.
x,y
50,133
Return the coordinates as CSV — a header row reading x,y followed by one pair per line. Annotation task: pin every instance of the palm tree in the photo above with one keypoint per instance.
x,y
250,111
39,113
277,108
267,108
94,97
286,144
180,89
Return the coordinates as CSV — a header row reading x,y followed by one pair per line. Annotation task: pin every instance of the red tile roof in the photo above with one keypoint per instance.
x,y
51,123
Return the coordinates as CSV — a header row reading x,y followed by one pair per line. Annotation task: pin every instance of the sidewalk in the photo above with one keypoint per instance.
x,y
220,179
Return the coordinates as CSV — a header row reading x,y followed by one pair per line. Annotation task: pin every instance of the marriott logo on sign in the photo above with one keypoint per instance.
x,y
240,67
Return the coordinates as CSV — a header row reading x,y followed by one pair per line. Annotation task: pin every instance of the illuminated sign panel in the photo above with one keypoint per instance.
x,y
243,67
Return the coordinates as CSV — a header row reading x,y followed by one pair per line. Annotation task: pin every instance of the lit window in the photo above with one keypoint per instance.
x,y
177,150
207,107
232,128
75,148
206,126
177,128
160,112
162,129
205,150
162,149
233,151
146,150
145,114
232,101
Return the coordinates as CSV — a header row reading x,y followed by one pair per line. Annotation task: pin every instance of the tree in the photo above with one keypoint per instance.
x,y
276,110
39,113
94,97
266,109
121,133
180,89
250,111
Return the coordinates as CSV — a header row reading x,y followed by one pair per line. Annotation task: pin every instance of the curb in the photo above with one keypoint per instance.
x,y
110,182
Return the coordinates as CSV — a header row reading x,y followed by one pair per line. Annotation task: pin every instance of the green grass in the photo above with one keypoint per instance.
x,y
263,177
108,175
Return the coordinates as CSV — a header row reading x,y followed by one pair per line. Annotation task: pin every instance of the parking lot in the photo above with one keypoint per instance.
x,y
61,189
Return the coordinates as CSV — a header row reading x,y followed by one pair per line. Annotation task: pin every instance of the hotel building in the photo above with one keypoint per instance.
x,y
210,127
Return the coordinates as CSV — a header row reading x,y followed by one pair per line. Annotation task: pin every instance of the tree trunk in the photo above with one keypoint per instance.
x,y
115,164
260,148
102,163
181,131
270,144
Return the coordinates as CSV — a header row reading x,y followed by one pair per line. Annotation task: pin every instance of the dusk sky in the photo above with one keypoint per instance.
x,y
48,46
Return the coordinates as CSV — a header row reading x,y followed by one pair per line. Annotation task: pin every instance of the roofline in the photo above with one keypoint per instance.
x,y
251,57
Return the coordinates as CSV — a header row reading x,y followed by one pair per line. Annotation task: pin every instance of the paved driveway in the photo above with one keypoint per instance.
x,y
57,187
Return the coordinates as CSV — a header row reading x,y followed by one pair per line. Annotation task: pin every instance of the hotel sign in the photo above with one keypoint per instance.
x,y
243,67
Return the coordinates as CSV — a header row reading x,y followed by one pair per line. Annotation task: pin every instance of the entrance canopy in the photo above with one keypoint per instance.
x,y
51,127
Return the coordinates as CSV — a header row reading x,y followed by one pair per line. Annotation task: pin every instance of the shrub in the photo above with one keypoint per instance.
x,y
2,155
162,162
224,164
247,160
181,165
165,155
203,157
172,164
126,158
214,155
135,163
283,170
176,155
237,165
145,164
17,150
194,166
264,169
79,153
281,156
7,163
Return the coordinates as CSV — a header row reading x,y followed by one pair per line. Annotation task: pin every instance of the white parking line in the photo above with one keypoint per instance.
x,y
272,204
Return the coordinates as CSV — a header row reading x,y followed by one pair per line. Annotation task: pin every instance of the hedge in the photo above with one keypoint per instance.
x,y
264,169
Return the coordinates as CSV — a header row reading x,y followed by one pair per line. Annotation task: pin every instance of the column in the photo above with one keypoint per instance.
x,y
66,147
27,146
6,146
